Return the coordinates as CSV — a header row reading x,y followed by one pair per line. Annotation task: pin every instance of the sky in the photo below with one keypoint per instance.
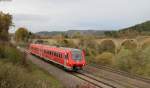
x,y
62,15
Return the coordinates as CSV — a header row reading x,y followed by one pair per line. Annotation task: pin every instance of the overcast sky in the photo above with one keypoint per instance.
x,y
51,15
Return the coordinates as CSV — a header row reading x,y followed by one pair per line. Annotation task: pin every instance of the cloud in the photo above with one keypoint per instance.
x,y
77,14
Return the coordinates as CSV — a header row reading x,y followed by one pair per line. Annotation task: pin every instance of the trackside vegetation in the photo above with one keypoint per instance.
x,y
15,72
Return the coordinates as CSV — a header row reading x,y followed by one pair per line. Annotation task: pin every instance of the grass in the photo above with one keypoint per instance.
x,y
40,73
16,76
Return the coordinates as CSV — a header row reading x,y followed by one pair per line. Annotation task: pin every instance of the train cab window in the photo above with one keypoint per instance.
x,y
76,54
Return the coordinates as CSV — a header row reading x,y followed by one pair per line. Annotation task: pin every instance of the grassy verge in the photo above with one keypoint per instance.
x,y
16,72
44,75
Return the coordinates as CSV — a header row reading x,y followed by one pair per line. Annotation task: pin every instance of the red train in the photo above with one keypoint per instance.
x,y
70,58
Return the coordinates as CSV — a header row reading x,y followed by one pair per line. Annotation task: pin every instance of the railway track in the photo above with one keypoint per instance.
x,y
110,69
116,77
92,80
96,83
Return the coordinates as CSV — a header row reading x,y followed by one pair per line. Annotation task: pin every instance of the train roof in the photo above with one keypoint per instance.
x,y
60,49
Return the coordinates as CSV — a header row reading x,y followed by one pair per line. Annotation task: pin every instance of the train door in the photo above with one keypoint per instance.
x,y
41,51
65,59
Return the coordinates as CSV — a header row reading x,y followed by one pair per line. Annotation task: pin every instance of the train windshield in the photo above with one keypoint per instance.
x,y
76,54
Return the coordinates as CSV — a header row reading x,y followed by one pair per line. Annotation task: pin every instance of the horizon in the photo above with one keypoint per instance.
x,y
55,15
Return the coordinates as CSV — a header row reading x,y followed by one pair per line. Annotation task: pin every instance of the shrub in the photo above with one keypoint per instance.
x,y
106,58
129,44
107,46
123,59
144,62
12,54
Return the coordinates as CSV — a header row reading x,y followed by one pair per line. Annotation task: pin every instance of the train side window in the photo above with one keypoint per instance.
x,y
54,53
60,55
57,54
50,52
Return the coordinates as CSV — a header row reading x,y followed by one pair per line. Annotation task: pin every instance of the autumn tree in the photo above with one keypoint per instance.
x,y
22,34
5,23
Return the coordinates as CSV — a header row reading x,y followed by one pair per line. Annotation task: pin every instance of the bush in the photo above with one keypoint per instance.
x,y
129,44
10,53
123,59
107,46
106,58
13,54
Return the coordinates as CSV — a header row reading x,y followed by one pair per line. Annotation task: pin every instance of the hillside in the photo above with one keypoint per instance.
x,y
143,27
72,32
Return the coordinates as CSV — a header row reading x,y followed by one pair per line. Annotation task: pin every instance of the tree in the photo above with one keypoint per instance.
x,y
22,34
5,23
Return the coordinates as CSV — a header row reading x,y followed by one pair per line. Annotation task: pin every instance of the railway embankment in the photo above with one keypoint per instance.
x,y
16,72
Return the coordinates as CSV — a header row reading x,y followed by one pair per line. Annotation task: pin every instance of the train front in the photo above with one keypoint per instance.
x,y
78,59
